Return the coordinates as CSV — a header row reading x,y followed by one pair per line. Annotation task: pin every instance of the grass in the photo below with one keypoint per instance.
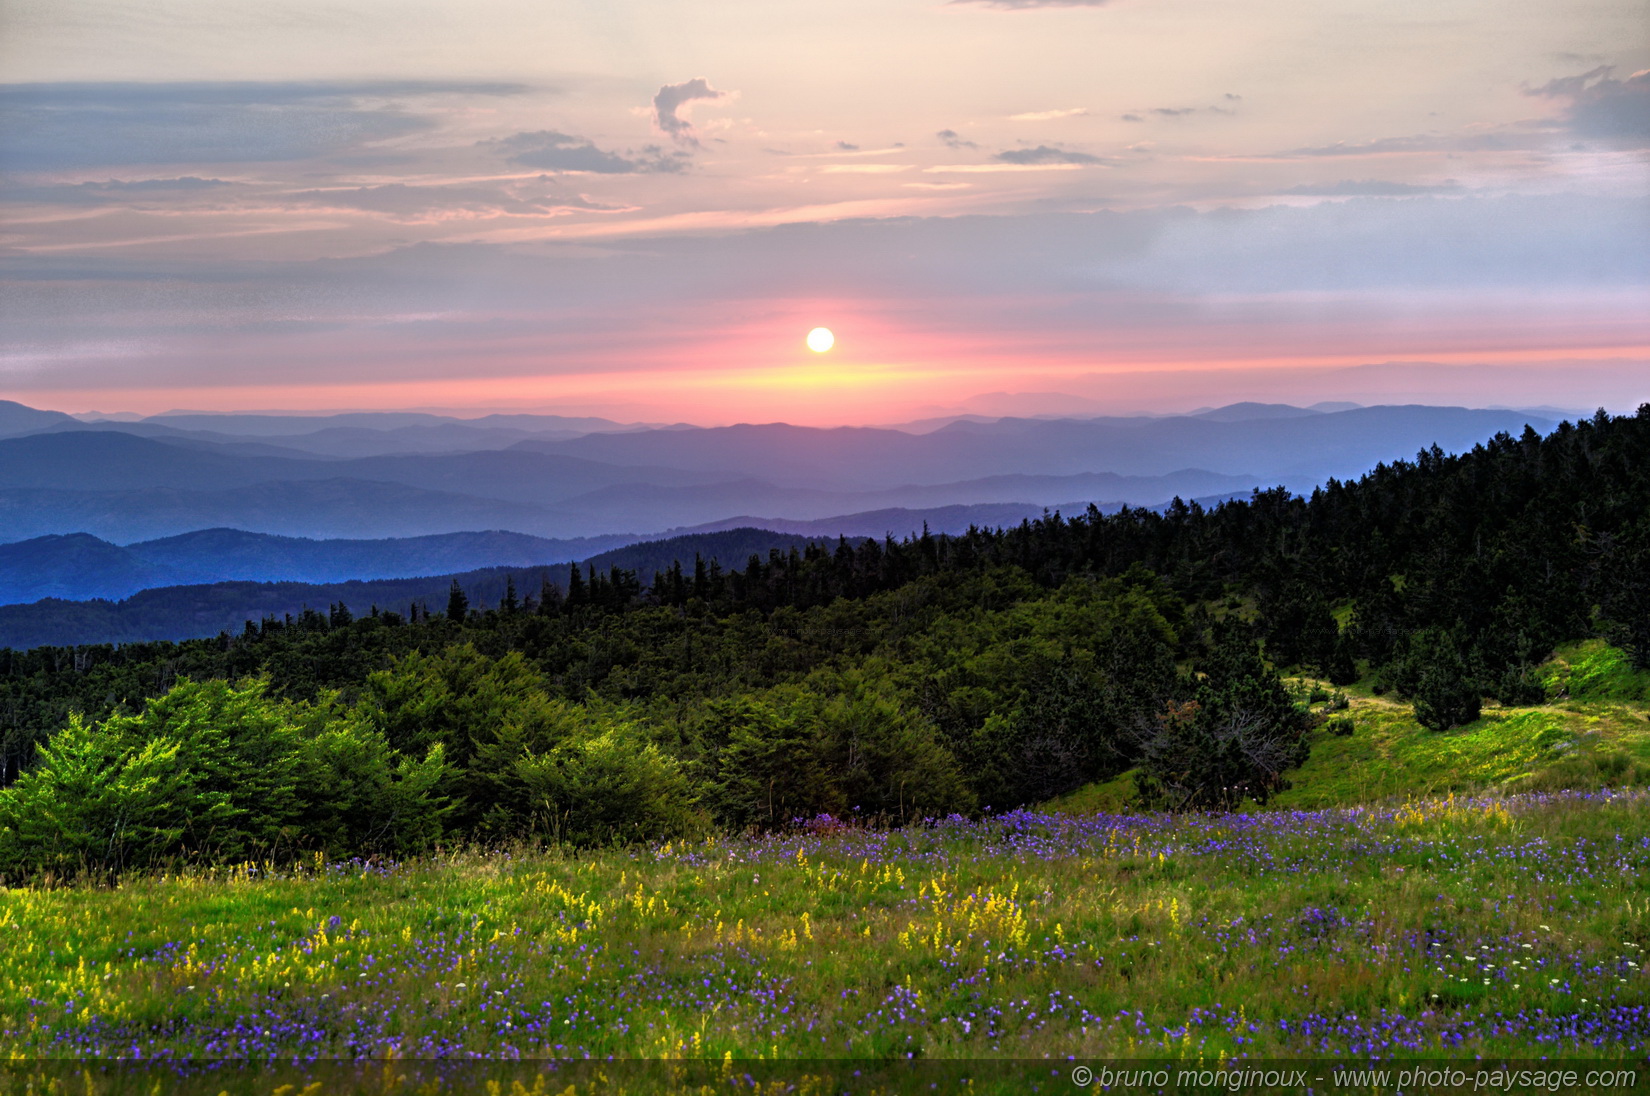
x,y
1413,895
1510,926
1594,733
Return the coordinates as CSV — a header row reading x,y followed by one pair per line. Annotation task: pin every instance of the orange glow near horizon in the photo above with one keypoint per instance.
x,y
905,360
828,391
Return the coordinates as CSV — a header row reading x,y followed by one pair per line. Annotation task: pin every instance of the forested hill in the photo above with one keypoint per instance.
x,y
930,674
193,610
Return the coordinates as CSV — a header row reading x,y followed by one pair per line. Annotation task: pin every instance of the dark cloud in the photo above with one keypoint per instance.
x,y
549,150
1046,154
670,98
77,125
1602,106
953,139
846,147
1371,188
1132,118
418,203
1174,112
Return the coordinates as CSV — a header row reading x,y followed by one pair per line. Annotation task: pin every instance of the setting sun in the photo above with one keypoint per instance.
x,y
820,340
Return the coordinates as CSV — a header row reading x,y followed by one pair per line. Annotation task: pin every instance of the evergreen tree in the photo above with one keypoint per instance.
x,y
458,606
1446,695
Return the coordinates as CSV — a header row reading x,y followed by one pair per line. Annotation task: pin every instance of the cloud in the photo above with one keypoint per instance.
x,y
55,126
1371,188
550,150
1500,139
1174,112
1597,106
847,147
419,204
1046,154
1602,106
111,191
1027,5
953,139
674,97
1132,118
1047,115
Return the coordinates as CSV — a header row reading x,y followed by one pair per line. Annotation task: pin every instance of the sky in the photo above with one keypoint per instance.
x,y
639,208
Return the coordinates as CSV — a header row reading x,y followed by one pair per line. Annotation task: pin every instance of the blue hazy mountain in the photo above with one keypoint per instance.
x,y
1300,449
108,481
82,567
189,611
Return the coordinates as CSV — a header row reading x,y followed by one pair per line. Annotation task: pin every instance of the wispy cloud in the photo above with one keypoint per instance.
x,y
1046,154
952,139
670,104
112,191
991,169
1372,188
76,125
551,150
423,204
1026,5
1047,115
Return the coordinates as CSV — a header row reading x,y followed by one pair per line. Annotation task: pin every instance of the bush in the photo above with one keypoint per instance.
x,y
1445,696
1233,741
766,766
1519,687
208,768
94,803
360,796
608,787
889,757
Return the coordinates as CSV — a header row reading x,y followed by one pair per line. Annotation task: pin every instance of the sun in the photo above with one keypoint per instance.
x,y
820,340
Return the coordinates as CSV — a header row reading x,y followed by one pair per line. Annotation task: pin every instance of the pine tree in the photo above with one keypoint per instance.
x,y
1446,695
458,606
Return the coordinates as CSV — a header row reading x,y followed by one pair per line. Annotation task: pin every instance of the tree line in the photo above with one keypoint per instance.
x,y
888,679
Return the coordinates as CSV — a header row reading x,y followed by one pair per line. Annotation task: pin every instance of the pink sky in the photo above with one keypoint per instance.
x,y
640,209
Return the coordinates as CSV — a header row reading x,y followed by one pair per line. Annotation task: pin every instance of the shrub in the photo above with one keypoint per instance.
x,y
1234,741
208,768
359,795
1445,695
608,787
766,766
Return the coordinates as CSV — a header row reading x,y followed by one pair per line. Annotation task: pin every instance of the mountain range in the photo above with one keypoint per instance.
x,y
128,482
186,611
241,515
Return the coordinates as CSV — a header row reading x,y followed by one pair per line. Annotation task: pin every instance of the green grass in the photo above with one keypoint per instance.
x,y
1283,934
1595,733
1512,922
1594,671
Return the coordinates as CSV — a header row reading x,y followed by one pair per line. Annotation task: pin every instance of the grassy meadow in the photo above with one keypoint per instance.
x,y
1481,892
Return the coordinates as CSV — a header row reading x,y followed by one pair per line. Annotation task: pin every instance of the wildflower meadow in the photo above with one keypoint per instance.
x,y
1455,926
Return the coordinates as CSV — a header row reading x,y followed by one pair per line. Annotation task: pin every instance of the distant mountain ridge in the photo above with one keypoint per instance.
x,y
207,609
80,567
168,475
